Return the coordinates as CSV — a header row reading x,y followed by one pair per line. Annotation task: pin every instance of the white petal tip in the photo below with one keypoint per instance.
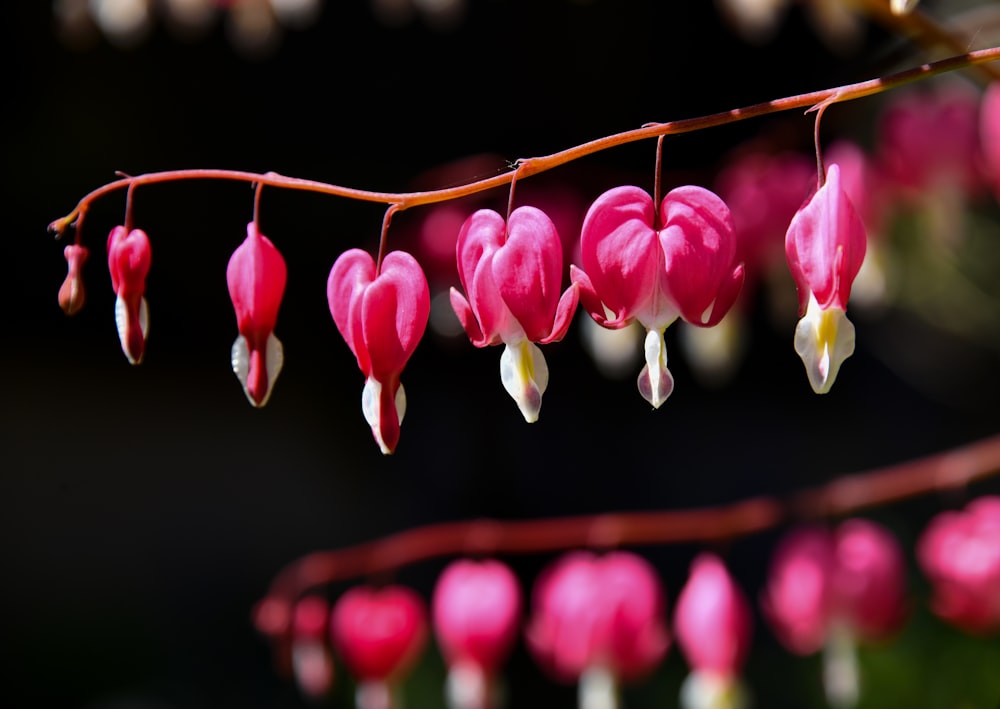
x,y
525,376
823,339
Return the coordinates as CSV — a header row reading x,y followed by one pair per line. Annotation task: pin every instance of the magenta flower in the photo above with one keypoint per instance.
x,y
960,554
928,141
256,276
129,258
830,589
476,611
512,275
825,246
379,633
382,314
849,580
598,614
71,293
640,265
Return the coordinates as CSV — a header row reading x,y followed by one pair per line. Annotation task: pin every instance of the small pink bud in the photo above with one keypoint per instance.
x,y
598,613
71,293
476,613
712,619
256,276
960,554
852,577
129,258
379,633
312,661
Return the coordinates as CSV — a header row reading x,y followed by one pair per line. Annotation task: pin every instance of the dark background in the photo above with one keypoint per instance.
x,y
144,510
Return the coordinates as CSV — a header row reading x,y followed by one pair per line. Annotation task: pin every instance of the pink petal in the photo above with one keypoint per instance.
x,y
528,271
351,274
699,246
825,245
564,315
129,258
256,276
479,239
467,318
620,252
394,313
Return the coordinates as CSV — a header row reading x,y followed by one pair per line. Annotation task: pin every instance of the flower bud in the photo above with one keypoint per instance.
x,y
71,292
312,661
712,619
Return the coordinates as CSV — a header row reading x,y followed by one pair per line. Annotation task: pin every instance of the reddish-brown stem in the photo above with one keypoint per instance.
x,y
384,236
256,203
527,168
657,178
820,167
847,494
128,208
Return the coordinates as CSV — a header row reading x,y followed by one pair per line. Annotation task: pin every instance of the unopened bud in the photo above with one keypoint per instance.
x,y
71,292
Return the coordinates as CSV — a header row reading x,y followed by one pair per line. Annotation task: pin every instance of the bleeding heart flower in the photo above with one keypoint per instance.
x,y
129,258
655,267
256,276
476,611
820,581
825,246
71,292
379,633
382,314
598,612
512,273
960,554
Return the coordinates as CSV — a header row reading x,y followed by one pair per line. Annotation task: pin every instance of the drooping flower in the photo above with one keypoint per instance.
x,y
378,633
598,619
476,612
960,554
256,276
512,275
831,589
382,314
640,265
852,577
312,660
129,258
71,293
713,626
825,246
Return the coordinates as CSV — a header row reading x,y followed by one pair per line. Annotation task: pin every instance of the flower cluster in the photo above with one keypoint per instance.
x,y
600,620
